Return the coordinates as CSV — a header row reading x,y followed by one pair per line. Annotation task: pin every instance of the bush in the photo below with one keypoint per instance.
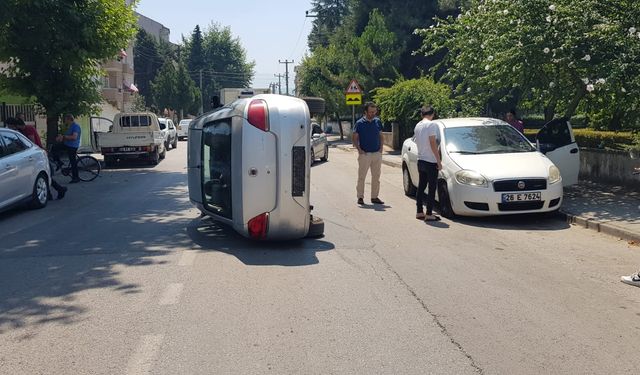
x,y
400,102
594,138
537,121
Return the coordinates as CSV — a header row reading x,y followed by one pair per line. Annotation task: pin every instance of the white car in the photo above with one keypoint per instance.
x,y
249,167
319,144
489,168
169,132
25,176
183,128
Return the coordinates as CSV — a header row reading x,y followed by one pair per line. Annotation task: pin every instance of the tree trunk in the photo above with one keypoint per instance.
x,y
615,123
340,126
52,129
550,110
573,105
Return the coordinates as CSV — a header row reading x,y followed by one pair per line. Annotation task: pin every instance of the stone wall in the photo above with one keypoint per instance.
x,y
614,167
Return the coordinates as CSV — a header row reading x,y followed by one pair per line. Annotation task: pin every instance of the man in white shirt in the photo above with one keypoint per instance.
x,y
429,162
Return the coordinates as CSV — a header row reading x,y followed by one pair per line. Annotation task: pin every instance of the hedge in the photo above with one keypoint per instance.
x,y
594,138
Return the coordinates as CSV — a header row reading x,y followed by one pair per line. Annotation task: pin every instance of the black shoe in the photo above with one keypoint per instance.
x,y
376,201
74,180
62,192
360,201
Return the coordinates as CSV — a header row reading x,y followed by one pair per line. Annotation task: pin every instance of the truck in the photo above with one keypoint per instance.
x,y
132,136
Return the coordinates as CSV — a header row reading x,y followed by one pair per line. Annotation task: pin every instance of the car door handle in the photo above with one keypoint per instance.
x,y
574,151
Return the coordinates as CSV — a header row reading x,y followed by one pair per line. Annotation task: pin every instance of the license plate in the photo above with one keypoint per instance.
x,y
126,149
521,197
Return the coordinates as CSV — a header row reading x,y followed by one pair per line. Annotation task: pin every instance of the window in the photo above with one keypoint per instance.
x,y
486,139
216,167
134,121
13,143
555,133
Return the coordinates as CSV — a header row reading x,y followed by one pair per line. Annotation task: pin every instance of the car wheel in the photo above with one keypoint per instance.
x,y
167,144
40,195
326,153
175,143
444,200
155,157
313,157
163,154
409,188
316,227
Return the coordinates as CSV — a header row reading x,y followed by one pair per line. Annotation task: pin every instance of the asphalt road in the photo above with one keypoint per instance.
x,y
122,277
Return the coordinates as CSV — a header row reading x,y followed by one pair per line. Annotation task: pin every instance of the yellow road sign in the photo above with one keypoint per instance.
x,y
354,99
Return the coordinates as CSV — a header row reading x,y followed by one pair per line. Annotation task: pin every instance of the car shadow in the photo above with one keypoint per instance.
x,y
214,236
518,222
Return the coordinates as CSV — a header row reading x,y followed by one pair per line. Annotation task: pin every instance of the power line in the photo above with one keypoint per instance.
x,y
286,72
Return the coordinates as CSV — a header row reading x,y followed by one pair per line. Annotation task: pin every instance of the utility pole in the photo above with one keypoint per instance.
x,y
201,95
286,72
279,82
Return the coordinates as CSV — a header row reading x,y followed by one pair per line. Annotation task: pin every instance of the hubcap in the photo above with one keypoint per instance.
x,y
41,190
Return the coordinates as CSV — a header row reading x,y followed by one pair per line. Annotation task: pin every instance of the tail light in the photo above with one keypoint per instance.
x,y
258,114
258,226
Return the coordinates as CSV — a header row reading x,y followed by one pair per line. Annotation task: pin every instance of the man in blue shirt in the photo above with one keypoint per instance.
x,y
69,143
367,138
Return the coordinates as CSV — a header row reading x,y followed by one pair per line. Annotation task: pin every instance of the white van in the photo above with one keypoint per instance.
x,y
249,167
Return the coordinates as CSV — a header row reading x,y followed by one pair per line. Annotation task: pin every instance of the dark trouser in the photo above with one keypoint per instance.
x,y
56,185
428,175
71,152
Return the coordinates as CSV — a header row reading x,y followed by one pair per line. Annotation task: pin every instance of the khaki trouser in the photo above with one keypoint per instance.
x,y
368,160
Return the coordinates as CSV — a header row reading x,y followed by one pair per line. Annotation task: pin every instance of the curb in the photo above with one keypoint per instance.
x,y
600,226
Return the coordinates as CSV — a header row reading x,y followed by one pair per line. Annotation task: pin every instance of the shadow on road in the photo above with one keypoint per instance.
x,y
50,256
522,222
213,236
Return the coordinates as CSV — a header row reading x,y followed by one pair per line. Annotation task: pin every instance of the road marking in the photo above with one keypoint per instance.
x,y
187,258
171,294
145,354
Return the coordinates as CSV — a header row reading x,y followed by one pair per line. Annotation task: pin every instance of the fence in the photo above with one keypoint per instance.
x,y
11,110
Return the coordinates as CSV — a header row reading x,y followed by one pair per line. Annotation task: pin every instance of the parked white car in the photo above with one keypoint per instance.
x,y
319,144
169,132
183,128
489,168
25,176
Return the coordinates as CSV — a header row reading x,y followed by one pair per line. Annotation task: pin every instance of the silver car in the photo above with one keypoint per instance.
x,y
25,176
319,144
249,167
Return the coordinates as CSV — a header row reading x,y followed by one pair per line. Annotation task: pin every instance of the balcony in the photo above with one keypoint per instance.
x,y
113,66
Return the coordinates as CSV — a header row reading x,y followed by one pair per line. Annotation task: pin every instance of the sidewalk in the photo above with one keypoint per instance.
x,y
613,210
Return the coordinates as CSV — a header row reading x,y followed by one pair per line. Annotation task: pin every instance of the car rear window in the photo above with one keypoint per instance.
x,y
134,121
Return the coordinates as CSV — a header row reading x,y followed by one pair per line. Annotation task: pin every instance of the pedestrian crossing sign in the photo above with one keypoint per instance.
x,y
354,99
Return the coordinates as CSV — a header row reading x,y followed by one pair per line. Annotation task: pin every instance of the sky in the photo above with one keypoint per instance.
x,y
268,30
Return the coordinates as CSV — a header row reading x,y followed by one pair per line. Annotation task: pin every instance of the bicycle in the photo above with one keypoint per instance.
x,y
88,167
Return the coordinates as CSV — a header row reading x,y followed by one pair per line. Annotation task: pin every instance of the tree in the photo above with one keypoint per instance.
x,y
187,96
54,48
163,88
147,62
552,55
330,15
195,54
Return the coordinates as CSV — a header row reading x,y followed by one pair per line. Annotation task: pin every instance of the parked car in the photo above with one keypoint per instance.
x,y
249,167
319,143
183,128
25,176
132,136
169,132
490,168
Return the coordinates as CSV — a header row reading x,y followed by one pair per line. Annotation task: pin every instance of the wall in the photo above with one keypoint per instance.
x,y
608,166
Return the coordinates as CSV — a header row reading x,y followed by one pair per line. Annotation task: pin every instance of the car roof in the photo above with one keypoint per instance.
x,y
469,121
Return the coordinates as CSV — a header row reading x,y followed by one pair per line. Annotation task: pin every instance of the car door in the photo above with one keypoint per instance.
x,y
17,169
97,125
412,160
557,142
172,130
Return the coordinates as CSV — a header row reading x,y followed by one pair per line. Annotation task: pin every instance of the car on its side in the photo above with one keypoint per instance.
x,y
25,176
490,168
168,129
183,128
319,144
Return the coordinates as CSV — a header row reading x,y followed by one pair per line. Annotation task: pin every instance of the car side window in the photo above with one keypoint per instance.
x,y
171,126
3,149
13,144
555,133
163,126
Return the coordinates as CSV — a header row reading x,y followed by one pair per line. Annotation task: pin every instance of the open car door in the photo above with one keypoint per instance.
x,y
557,142
98,125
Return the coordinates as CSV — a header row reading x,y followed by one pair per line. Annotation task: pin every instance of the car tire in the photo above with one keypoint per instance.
x,y
40,194
154,157
175,143
313,157
326,153
444,201
316,227
163,154
407,184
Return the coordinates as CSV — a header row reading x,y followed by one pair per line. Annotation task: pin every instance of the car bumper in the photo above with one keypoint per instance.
x,y
484,201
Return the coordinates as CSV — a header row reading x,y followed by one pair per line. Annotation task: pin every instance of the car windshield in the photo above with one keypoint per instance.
x,y
486,139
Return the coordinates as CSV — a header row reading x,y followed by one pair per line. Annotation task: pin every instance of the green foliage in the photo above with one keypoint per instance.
x,y
54,48
400,102
330,15
558,55
139,104
163,88
147,62
595,139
